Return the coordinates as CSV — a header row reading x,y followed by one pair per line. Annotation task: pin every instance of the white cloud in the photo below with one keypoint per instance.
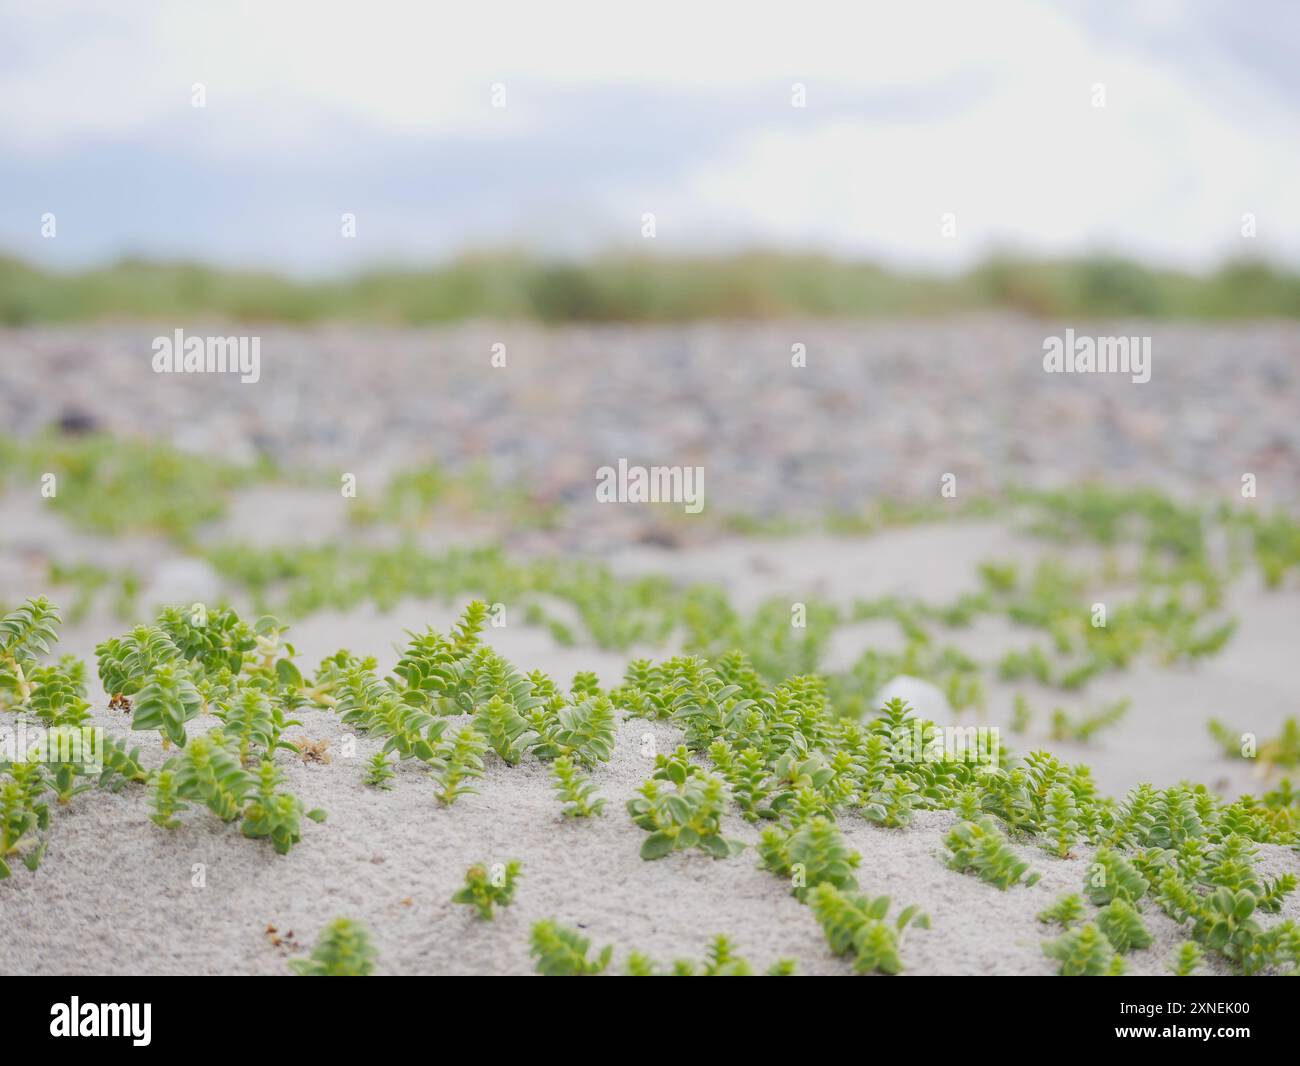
x,y
1159,171
1166,169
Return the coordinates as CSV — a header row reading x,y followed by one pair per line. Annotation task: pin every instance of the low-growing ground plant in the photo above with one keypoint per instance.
x,y
121,766
576,792
1176,819
458,761
275,814
1274,541
379,771
810,855
1213,887
194,661
439,677
1282,750
343,949
1162,618
504,729
618,611
752,785
20,818
718,964
892,802
114,485
199,661
681,807
208,772
300,580
166,800
1225,921
165,702
1187,959
1020,665
485,888
1021,714
26,634
792,753
720,960
1065,912
856,925
65,768
584,731
254,717
1084,727
979,847
1061,820
563,952
1122,925
58,693
1084,952
1111,876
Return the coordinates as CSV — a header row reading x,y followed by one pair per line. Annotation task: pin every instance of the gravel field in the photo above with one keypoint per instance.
x,y
881,409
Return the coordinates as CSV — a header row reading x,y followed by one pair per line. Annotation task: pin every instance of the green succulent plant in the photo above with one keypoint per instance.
x,y
379,771
1065,912
458,760
563,952
487,887
343,949
575,791
810,855
980,847
1187,960
688,815
856,925
1084,952
1122,925
275,814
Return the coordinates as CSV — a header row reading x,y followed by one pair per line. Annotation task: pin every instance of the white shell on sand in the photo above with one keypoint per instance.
x,y
926,700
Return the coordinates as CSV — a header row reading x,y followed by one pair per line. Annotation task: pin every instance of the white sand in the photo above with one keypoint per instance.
x,y
114,894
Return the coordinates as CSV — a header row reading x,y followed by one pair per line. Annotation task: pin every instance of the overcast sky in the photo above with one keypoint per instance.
x,y
613,109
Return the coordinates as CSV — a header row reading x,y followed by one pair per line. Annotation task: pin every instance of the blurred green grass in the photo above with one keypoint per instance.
x,y
619,287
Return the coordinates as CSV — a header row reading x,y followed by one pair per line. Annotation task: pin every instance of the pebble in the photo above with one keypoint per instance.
x,y
927,701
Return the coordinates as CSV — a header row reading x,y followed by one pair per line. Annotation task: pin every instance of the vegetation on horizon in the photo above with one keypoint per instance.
x,y
623,287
